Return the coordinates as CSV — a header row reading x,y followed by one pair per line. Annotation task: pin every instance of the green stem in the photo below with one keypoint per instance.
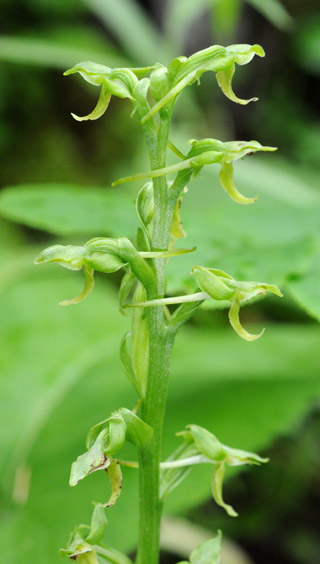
x,y
160,350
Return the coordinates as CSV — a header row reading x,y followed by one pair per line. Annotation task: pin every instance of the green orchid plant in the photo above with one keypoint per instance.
x,y
146,350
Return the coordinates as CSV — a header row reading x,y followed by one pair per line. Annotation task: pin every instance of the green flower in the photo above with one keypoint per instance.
x,y
221,286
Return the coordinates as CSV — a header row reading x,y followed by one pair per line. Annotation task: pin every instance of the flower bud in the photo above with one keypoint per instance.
x,y
159,82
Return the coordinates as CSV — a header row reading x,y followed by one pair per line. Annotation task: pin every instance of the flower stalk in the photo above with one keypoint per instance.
x,y
146,350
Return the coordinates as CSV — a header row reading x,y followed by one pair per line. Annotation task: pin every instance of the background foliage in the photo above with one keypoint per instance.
x,y
60,368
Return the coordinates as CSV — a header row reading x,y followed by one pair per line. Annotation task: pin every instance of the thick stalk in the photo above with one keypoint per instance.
x,y
160,349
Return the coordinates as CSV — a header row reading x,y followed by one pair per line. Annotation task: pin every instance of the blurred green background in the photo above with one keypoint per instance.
x,y
60,371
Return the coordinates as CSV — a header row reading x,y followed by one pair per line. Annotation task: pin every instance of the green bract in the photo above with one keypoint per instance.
x,y
208,552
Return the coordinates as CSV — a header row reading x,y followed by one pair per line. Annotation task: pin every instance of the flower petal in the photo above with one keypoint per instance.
x,y
217,481
235,321
100,108
88,287
227,182
115,477
224,78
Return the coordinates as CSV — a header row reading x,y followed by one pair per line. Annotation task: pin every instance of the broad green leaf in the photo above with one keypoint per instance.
x,y
92,460
66,209
305,289
208,552
53,411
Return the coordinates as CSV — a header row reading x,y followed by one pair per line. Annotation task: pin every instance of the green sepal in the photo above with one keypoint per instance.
x,y
126,361
94,459
68,256
76,544
205,442
159,84
102,254
98,524
138,431
78,549
87,558
145,208
120,425
112,556
125,289
114,429
208,552
115,476
110,438
212,284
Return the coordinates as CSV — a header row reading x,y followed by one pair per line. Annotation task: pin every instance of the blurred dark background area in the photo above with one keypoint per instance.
x,y
41,143
35,102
